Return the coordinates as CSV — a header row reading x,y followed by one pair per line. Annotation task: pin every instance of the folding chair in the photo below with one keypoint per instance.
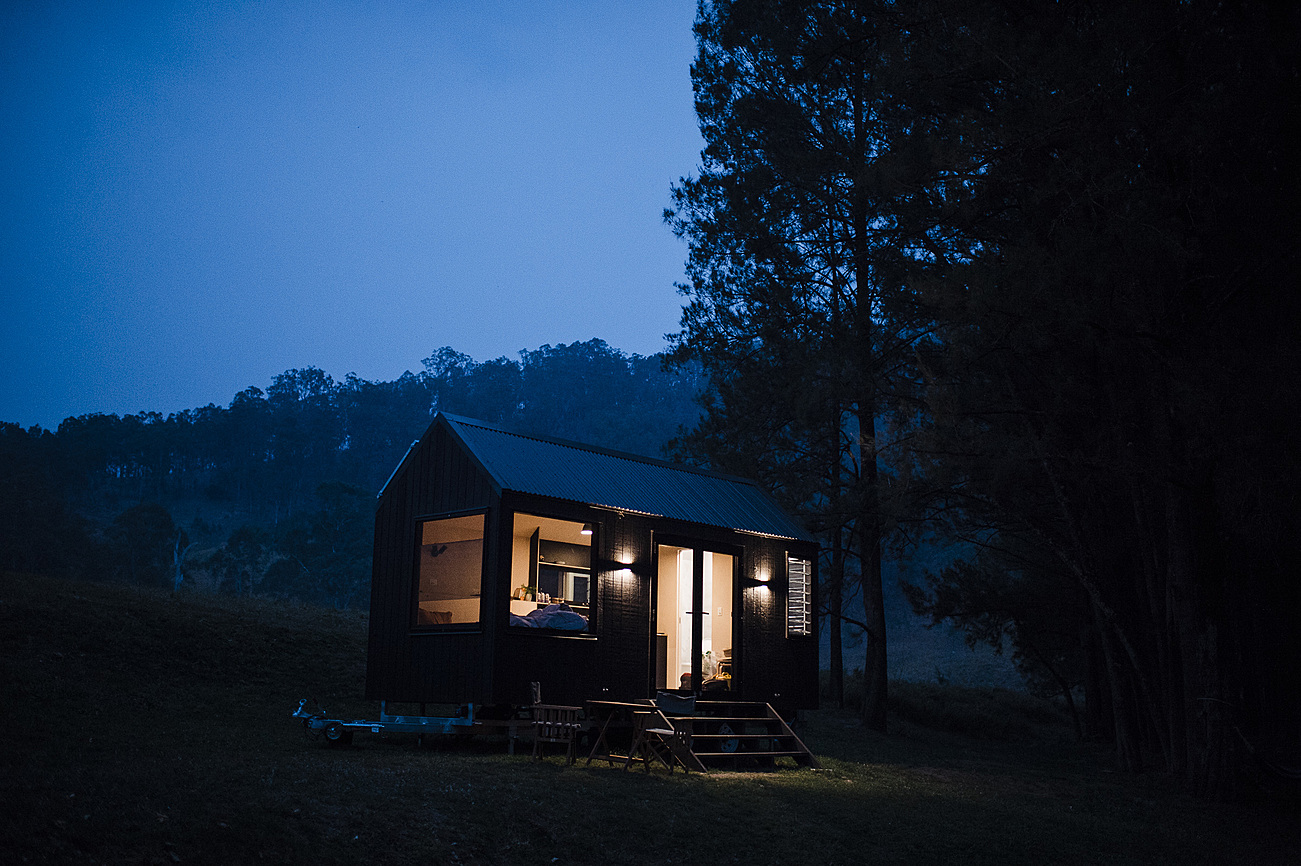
x,y
654,739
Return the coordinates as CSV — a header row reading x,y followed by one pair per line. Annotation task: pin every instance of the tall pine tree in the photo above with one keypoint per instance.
x,y
802,228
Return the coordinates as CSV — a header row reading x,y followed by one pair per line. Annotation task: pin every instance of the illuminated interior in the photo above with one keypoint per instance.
x,y
551,574
450,571
676,644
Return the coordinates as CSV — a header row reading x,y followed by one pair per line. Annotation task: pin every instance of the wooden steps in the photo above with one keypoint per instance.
x,y
739,734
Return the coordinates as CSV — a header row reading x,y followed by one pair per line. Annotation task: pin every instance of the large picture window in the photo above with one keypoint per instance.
x,y
551,574
799,597
449,571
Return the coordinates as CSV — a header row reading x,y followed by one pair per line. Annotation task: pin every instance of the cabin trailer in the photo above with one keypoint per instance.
x,y
504,559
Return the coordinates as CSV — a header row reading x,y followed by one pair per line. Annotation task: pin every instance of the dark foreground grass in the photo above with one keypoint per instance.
x,y
146,728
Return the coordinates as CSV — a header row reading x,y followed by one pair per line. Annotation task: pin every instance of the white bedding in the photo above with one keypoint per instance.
x,y
554,616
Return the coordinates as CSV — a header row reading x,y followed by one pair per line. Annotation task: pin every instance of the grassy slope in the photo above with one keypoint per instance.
x,y
149,728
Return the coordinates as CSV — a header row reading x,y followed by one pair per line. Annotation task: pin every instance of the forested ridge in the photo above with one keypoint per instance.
x,y
274,493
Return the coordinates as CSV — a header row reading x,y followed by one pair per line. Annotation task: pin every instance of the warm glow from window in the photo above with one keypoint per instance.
x,y
551,586
449,571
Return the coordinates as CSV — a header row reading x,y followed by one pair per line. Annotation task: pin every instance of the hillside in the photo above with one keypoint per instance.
x,y
274,493
150,728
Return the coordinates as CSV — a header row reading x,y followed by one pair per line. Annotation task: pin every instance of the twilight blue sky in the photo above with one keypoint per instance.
x,y
200,195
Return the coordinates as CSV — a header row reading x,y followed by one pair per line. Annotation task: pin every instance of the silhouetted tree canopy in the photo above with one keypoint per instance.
x,y
1051,248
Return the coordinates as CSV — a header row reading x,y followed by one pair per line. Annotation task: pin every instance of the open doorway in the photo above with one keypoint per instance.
x,y
693,619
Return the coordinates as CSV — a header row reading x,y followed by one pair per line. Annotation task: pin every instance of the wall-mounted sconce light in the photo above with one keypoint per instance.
x,y
587,529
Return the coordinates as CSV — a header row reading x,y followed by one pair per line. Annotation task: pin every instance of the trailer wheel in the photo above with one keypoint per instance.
x,y
335,735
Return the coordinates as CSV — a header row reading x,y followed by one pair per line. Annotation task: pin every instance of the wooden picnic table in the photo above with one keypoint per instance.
x,y
605,712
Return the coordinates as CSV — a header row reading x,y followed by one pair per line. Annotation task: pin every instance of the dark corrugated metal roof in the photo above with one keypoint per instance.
x,y
625,482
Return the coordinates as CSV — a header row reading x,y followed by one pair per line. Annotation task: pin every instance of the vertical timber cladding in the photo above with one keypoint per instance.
x,y
762,663
402,664
565,665
803,679
386,630
773,667
625,582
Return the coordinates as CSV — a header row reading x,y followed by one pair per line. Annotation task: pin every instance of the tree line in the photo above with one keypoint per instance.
x,y
274,493
1021,276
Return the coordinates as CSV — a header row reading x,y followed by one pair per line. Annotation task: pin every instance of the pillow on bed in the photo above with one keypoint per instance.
x,y
433,617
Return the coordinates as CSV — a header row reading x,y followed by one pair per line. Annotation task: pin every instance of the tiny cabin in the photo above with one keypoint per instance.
x,y
503,559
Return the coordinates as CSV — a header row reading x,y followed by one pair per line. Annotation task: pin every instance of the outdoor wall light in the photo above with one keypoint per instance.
x,y
587,529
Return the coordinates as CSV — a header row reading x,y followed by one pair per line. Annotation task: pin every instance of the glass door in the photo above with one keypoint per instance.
x,y
693,619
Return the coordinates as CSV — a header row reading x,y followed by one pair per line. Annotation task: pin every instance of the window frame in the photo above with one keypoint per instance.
x,y
593,584
418,536
806,628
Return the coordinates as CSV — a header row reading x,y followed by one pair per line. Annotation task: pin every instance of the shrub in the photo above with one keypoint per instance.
x,y
984,713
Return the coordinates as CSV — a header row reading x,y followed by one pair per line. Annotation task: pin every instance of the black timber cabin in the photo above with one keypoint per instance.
x,y
503,559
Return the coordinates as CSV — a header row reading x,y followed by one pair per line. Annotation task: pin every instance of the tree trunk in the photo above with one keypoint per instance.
x,y
875,699
1196,575
835,622
836,578
1124,713
864,348
1097,707
1062,684
178,560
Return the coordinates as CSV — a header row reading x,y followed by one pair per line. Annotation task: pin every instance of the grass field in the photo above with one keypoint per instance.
x,y
148,728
